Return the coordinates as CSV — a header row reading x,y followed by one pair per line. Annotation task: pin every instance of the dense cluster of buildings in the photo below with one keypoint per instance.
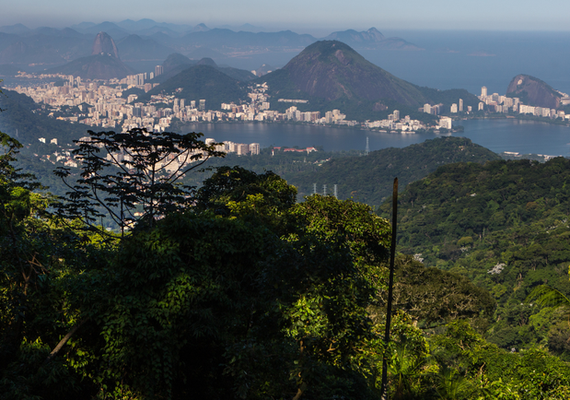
x,y
103,105
395,123
437,109
240,149
504,104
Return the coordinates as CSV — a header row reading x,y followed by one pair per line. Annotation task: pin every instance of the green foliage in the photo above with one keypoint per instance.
x,y
39,261
465,241
248,294
433,296
530,374
366,234
274,316
516,213
546,296
240,192
220,306
364,179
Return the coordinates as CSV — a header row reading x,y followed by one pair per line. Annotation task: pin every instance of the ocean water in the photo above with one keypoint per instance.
x,y
471,59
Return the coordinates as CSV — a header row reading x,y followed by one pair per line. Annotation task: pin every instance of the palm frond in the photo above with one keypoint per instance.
x,y
547,296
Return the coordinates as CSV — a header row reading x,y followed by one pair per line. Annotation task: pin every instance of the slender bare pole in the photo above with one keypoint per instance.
x,y
384,387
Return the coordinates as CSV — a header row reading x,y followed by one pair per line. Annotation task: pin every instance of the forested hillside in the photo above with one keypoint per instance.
x,y
238,291
505,226
369,178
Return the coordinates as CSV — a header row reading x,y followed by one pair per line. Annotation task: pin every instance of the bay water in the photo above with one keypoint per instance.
x,y
498,135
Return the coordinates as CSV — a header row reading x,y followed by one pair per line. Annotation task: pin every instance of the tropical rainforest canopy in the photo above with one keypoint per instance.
x,y
243,292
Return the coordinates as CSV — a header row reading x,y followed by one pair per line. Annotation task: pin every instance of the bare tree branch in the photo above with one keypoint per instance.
x,y
145,181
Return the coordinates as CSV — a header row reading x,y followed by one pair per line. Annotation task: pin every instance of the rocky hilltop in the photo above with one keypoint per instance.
x,y
331,70
534,92
104,45
104,63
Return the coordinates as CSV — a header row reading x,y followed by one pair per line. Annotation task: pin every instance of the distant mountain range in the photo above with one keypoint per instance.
x,y
148,41
43,46
327,77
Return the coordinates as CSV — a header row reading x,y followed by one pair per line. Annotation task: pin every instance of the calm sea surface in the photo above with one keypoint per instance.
x,y
521,136
471,59
497,135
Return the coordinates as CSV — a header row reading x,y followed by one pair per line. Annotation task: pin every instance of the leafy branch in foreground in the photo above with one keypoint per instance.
x,y
133,176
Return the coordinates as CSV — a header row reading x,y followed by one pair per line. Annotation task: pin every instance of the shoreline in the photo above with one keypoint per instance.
x,y
360,125
516,118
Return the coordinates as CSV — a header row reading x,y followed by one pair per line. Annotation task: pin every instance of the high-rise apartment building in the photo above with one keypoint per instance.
x,y
242,149
254,148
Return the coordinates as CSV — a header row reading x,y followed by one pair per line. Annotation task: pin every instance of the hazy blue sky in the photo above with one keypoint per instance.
x,y
301,15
